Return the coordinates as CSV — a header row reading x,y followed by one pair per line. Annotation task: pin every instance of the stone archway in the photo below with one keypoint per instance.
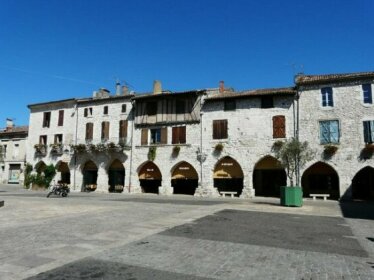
x,y
184,178
320,178
63,169
40,167
228,176
268,177
149,177
116,176
363,184
89,171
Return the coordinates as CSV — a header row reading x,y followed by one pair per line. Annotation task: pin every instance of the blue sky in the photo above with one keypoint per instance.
x,y
51,50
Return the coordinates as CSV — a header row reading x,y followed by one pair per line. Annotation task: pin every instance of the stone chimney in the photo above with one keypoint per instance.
x,y
125,90
9,124
118,88
157,87
221,86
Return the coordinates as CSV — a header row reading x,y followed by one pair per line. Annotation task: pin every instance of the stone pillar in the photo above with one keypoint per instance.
x,y
102,180
76,179
248,190
166,188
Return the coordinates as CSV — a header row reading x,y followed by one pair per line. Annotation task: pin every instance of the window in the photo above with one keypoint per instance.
x,y
60,118
229,105
4,150
16,151
46,119
366,90
329,132
105,110
123,109
219,129
159,135
279,127
369,131
327,98
267,102
58,139
123,129
88,112
105,131
152,108
179,135
180,107
89,131
43,139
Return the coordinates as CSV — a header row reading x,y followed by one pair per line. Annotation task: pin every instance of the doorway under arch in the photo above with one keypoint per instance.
x,y
320,178
363,184
63,168
184,178
228,176
116,176
89,173
268,177
150,177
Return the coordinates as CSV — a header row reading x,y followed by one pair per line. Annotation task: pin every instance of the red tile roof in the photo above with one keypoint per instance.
x,y
251,93
301,80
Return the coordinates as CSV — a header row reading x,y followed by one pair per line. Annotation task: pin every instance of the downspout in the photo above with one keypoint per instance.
x,y
75,142
297,132
132,139
201,142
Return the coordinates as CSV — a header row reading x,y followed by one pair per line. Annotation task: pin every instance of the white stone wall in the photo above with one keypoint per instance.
x,y
350,110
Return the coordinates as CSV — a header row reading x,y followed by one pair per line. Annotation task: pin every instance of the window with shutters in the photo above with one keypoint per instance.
x,y
43,139
367,95
179,135
180,106
151,108
88,112
279,127
46,119
220,129
58,139
155,136
229,105
105,131
123,108
106,110
368,132
60,118
329,132
123,130
327,97
89,131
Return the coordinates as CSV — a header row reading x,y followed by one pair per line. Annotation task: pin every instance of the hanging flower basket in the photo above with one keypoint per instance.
x,y
176,150
330,150
218,148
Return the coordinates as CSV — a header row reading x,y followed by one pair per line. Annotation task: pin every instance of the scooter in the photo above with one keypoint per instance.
x,y
59,189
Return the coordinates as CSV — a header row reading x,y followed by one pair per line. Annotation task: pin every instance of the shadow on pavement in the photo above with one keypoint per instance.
x,y
357,209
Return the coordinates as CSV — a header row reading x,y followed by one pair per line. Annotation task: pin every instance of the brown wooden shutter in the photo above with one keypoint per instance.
x,y
164,135
60,118
107,130
279,127
219,129
216,130
89,131
144,136
182,134
224,129
123,129
175,135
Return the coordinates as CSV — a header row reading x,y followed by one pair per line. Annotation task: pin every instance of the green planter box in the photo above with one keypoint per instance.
x,y
291,196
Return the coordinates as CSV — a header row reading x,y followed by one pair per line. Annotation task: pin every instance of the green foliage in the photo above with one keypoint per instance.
x,y
293,154
176,150
80,148
43,179
49,173
152,153
218,147
27,172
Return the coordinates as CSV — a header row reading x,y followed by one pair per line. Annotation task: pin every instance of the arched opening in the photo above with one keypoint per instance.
x,y
320,178
64,170
228,176
90,174
363,184
150,177
184,178
116,176
40,167
268,177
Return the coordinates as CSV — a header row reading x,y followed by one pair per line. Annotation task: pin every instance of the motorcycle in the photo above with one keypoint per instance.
x,y
59,189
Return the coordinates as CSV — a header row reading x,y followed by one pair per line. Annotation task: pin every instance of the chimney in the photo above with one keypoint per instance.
x,y
125,90
221,86
118,88
157,87
9,124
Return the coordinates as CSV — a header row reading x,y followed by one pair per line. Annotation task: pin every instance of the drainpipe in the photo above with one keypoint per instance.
x,y
201,142
297,133
132,139
75,142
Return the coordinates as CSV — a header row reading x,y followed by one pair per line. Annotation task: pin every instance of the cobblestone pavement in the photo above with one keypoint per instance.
x,y
119,236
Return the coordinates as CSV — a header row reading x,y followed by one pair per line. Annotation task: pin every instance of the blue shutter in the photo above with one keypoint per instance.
x,y
366,89
331,100
334,132
367,132
324,97
324,132
372,131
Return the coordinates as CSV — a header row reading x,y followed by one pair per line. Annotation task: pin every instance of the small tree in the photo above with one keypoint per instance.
x,y
293,155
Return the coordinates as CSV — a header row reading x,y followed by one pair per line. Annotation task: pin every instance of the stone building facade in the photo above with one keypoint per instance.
x,y
13,153
205,142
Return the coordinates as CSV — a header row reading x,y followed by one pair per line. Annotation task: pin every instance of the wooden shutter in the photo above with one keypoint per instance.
x,y
179,135
61,118
123,128
164,135
175,135
279,127
324,132
106,131
182,134
85,112
216,130
334,132
224,129
89,131
144,136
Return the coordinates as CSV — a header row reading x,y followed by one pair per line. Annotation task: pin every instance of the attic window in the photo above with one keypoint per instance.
x,y
230,105
267,102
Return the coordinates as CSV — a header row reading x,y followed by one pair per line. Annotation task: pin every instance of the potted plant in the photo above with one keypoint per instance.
x,y
367,152
329,150
218,148
56,149
293,155
152,153
176,150
78,149
40,149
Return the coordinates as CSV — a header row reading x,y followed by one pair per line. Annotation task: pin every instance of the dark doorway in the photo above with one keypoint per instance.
x,y
228,176
63,168
363,184
90,174
150,177
184,179
116,176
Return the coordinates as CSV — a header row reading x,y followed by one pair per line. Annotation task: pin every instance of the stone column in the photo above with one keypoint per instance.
x,y
166,188
248,190
102,180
